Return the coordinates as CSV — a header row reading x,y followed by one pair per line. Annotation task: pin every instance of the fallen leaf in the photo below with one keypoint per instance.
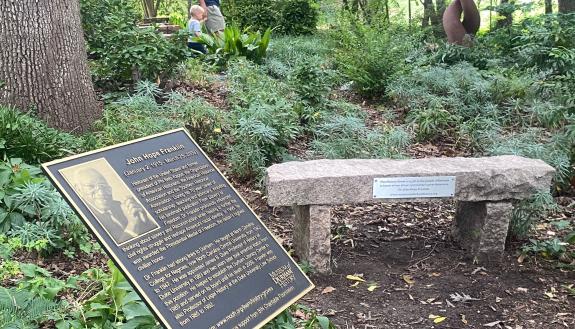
x,y
410,297
437,318
521,258
463,319
435,274
327,290
355,284
372,287
408,279
492,324
299,314
456,297
522,289
355,277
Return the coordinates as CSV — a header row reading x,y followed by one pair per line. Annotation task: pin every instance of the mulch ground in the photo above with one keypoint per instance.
x,y
406,252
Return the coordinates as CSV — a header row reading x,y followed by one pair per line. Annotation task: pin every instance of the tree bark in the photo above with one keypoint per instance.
x,y
43,63
508,20
548,6
428,13
150,8
566,6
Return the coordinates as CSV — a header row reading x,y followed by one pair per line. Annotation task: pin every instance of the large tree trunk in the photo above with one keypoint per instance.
x,y
43,62
566,6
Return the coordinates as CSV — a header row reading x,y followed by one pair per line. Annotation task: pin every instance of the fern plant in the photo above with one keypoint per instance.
x,y
22,310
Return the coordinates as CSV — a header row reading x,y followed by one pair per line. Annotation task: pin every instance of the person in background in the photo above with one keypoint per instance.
x,y
215,22
195,28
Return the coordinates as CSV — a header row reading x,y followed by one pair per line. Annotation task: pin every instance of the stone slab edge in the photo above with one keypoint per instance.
x,y
351,181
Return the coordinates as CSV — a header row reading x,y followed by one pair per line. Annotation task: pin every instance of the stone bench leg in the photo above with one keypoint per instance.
x,y
311,236
481,227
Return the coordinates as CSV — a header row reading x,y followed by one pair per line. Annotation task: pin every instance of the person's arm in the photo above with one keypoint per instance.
x,y
204,7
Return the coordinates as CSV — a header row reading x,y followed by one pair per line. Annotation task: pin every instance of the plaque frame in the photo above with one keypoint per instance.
x,y
110,251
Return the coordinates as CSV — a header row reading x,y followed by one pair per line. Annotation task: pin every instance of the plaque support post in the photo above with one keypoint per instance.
x,y
481,227
311,236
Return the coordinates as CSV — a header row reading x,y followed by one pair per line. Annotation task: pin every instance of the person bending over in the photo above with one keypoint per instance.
x,y
461,32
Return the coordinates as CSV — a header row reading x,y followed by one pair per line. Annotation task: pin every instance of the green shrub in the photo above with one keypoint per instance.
x,y
298,17
26,137
195,71
121,51
293,17
372,56
235,43
136,116
263,119
535,143
529,211
261,135
115,305
100,18
286,53
32,210
311,83
205,123
348,137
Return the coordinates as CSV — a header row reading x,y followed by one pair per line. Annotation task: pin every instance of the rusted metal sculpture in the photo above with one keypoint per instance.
x,y
457,31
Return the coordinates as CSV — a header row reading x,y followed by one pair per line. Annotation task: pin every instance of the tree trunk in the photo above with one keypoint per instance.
x,y
566,6
43,63
150,8
548,6
508,17
428,13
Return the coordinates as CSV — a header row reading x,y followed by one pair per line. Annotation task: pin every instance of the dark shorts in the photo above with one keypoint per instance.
x,y
197,46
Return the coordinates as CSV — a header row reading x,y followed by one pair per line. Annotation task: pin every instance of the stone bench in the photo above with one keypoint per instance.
x,y
484,189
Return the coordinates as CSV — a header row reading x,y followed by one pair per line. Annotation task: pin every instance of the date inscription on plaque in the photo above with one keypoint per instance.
x,y
195,252
414,187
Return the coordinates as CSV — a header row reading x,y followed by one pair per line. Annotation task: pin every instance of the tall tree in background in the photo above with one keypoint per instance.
x,y
151,8
566,6
548,6
43,62
505,10
432,14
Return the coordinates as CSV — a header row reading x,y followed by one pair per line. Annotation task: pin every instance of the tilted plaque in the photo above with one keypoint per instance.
x,y
186,240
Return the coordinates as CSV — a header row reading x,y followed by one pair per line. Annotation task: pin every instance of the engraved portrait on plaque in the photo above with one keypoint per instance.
x,y
115,207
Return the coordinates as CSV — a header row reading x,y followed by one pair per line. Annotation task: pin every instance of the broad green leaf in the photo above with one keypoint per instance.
x,y
323,322
135,309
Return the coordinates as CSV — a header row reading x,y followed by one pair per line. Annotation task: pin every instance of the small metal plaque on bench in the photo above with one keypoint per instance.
x,y
414,187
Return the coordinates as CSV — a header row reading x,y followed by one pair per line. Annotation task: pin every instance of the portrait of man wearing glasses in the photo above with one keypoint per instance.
x,y
123,220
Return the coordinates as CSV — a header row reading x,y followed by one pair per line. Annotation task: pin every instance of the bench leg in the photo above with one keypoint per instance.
x,y
311,236
481,227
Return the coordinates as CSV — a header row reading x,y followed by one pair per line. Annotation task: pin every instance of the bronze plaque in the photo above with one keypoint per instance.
x,y
186,240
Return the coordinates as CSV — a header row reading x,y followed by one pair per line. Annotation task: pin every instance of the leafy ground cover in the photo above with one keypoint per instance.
x,y
362,88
